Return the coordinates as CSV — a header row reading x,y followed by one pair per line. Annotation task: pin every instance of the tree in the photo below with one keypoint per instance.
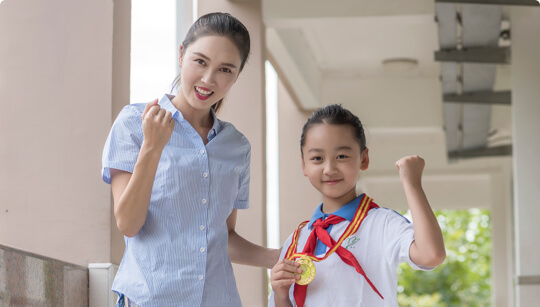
x,y
464,279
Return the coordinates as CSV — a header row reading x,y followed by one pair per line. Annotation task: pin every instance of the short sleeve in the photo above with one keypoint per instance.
x,y
242,199
400,235
123,143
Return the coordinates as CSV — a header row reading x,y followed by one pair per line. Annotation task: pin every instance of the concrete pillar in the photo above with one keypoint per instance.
x,y
297,197
60,86
502,268
525,23
245,107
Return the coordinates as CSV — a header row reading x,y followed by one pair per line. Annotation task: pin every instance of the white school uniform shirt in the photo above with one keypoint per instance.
x,y
380,244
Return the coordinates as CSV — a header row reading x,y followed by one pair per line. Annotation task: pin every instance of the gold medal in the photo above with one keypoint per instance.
x,y
308,270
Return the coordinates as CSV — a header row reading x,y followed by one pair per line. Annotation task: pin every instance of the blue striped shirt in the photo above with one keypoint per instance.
x,y
180,257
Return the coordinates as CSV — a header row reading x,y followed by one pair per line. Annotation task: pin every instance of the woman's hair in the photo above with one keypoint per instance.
x,y
335,114
218,24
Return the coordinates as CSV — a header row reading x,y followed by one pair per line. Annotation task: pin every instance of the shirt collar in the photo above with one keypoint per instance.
x,y
166,104
347,211
216,128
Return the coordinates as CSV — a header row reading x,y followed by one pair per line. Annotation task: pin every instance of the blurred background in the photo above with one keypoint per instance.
x,y
453,81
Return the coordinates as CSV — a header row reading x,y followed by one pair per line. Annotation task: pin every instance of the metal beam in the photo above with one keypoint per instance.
x,y
501,97
494,55
528,280
496,2
505,150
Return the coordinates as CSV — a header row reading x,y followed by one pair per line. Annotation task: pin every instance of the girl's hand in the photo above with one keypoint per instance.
x,y
158,126
284,274
410,169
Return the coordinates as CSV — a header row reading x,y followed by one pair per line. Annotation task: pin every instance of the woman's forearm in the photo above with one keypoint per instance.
x,y
132,192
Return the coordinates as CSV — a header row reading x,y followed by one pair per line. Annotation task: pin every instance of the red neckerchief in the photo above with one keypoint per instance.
x,y
319,232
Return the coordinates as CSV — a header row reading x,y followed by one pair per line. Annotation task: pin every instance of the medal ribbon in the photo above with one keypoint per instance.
x,y
319,231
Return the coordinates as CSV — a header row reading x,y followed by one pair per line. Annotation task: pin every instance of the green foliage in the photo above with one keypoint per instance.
x,y
464,279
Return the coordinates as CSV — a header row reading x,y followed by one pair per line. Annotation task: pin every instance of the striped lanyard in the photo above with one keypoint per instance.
x,y
366,203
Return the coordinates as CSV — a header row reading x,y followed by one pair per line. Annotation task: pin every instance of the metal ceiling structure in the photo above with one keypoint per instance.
x,y
471,47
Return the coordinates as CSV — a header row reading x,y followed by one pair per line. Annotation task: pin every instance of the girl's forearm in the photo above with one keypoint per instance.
x,y
428,246
285,302
131,208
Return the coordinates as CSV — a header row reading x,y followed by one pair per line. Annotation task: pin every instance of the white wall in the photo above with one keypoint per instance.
x,y
526,111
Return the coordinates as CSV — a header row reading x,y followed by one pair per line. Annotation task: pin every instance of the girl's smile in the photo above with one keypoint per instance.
x,y
332,161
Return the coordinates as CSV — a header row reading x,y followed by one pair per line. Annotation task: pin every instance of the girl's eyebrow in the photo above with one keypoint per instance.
x,y
208,59
338,148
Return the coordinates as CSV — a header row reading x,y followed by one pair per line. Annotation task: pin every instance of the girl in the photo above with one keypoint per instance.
x,y
178,177
350,249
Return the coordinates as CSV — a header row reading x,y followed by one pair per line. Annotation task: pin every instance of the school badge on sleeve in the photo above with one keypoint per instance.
x,y
308,270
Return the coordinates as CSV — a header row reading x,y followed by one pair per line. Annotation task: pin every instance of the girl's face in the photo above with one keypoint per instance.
x,y
332,162
210,66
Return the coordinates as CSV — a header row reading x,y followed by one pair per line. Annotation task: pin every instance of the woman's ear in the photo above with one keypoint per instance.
x,y
180,57
365,159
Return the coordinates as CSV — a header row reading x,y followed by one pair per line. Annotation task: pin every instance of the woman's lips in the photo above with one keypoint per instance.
x,y
203,93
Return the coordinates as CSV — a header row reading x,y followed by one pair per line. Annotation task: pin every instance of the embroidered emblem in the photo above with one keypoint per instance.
x,y
350,242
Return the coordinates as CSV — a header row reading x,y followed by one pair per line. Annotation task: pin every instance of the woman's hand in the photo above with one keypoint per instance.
x,y
158,126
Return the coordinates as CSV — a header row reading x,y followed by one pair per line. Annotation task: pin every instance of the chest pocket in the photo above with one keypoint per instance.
x,y
225,182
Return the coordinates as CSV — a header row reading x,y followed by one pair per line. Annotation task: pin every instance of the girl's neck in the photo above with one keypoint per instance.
x,y
331,205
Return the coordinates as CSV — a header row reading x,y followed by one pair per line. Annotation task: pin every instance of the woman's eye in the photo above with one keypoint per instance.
x,y
200,61
341,156
225,69
316,159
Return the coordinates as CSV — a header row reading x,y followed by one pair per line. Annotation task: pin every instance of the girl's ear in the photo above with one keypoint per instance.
x,y
303,165
365,159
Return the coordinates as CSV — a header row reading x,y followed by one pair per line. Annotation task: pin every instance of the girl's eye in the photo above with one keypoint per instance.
x,y
200,61
341,156
316,159
225,69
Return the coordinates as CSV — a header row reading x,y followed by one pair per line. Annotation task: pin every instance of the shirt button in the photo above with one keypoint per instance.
x,y
200,277
202,249
204,200
201,151
205,175
201,227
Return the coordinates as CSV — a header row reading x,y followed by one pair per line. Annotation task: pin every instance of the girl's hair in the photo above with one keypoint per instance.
x,y
335,114
219,24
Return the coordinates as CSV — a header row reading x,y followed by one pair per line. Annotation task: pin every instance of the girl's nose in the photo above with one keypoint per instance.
x,y
330,168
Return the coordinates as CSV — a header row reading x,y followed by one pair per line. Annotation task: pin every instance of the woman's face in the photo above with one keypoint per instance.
x,y
210,66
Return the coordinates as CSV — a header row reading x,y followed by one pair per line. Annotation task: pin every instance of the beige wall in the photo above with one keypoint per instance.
x,y
56,67
245,108
297,197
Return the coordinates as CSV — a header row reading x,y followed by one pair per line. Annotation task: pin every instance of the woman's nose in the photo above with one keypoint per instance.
x,y
208,78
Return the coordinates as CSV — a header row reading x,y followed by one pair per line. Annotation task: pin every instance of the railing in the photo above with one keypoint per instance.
x,y
27,279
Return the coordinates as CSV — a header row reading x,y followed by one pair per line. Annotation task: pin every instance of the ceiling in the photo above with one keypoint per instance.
x,y
335,52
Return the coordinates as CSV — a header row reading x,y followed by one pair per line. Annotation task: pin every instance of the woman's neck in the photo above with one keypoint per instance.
x,y
200,119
